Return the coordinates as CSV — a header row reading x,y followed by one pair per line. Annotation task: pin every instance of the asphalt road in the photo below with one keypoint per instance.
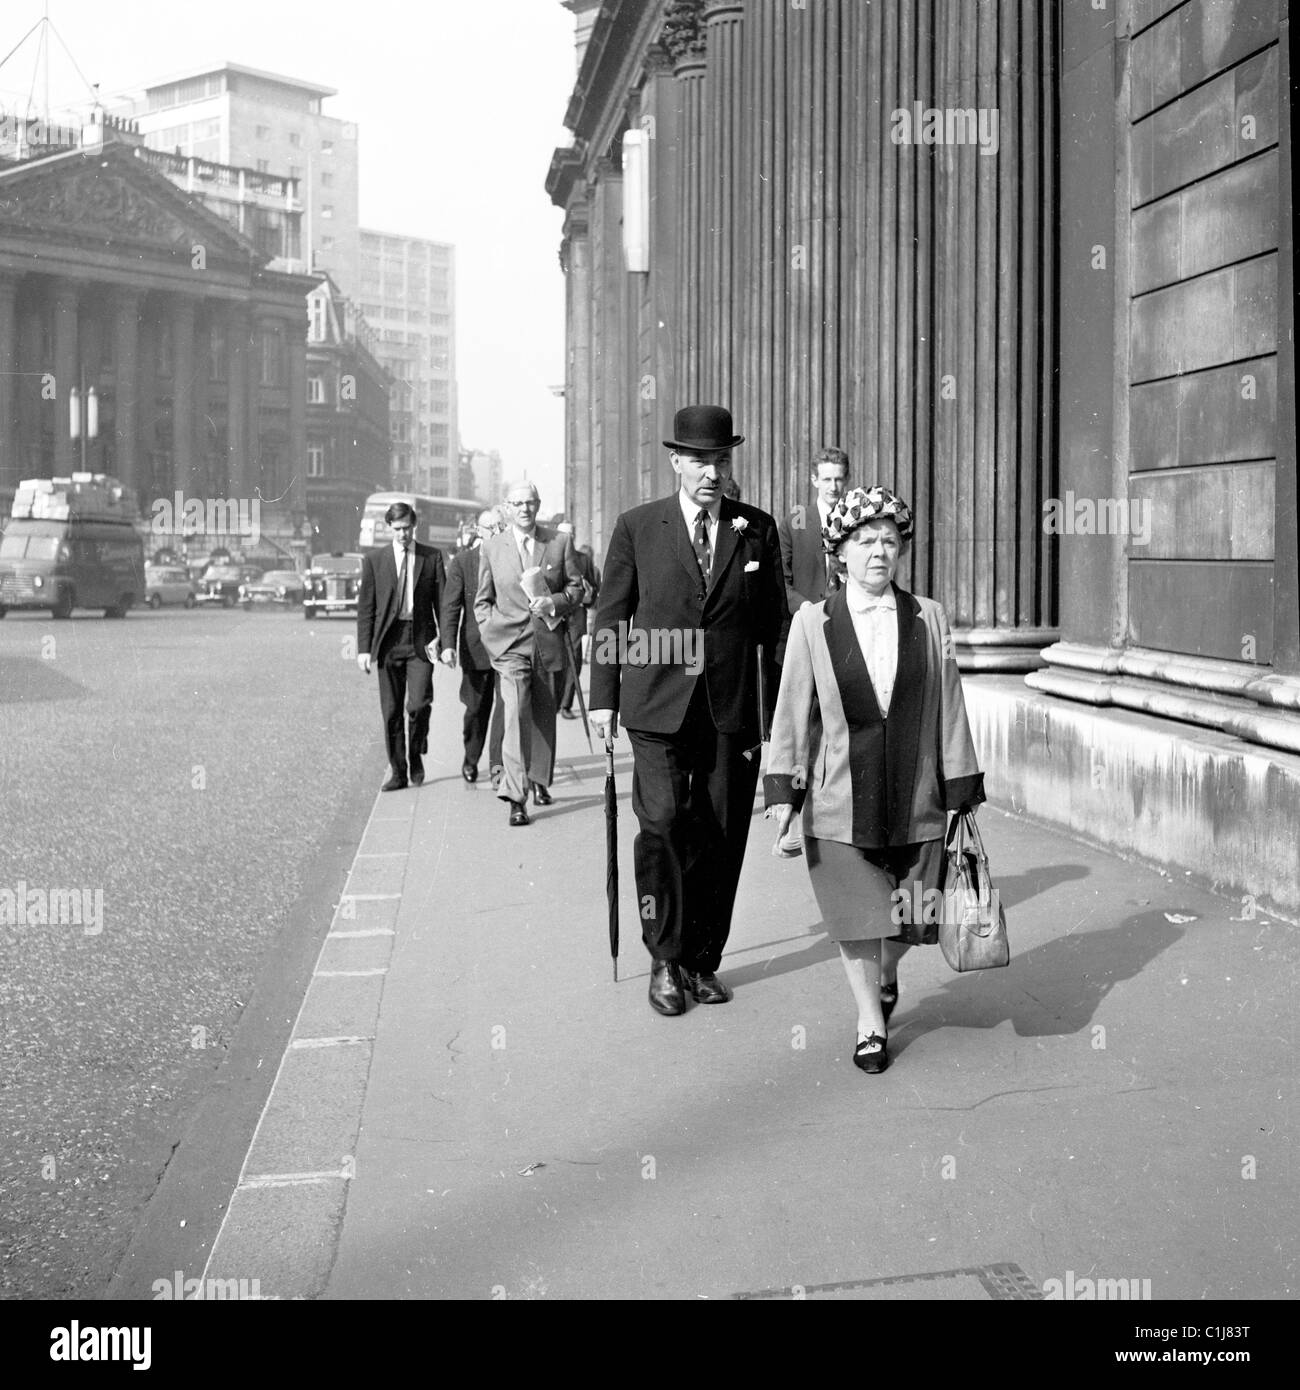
x,y
193,768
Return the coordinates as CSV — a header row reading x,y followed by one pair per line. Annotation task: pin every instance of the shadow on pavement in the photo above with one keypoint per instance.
x,y
1048,991
25,680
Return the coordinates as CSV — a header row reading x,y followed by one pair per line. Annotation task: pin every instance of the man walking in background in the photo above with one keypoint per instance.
x,y
461,639
397,630
528,584
578,624
804,564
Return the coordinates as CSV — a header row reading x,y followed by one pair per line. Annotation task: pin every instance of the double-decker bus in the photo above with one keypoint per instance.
x,y
439,523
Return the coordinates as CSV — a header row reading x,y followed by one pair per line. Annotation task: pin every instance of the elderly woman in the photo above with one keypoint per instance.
x,y
870,739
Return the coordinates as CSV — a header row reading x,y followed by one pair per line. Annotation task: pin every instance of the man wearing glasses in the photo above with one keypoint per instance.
x,y
528,584
397,629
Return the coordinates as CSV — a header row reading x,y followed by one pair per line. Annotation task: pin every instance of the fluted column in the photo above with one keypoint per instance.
x,y
66,302
683,37
182,309
238,351
577,375
126,390
10,472
722,119
295,346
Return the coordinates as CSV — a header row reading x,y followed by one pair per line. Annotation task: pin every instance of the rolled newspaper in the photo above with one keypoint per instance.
x,y
535,587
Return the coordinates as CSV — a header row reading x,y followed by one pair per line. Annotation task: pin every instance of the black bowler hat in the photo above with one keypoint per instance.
x,y
703,429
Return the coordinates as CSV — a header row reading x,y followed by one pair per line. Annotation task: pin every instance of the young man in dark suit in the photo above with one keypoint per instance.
x,y
808,576
397,631
461,639
691,590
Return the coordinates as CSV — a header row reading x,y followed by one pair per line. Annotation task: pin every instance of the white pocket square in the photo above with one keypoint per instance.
x,y
751,567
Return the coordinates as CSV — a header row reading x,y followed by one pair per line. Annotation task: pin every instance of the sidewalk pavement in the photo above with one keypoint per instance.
x,y
470,1108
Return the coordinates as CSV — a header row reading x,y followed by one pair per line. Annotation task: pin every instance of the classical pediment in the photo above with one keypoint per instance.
x,y
112,199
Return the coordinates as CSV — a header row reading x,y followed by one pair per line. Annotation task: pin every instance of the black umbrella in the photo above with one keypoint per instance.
x,y
611,847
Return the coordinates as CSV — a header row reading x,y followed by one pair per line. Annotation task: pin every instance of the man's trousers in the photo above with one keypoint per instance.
x,y
693,795
526,690
404,675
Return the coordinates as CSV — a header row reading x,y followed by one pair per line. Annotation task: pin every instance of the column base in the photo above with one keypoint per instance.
x,y
1006,649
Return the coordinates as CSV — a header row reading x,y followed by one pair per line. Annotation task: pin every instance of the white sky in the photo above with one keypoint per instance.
x,y
460,104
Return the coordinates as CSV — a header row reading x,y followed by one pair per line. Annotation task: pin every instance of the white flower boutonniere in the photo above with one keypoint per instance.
x,y
739,524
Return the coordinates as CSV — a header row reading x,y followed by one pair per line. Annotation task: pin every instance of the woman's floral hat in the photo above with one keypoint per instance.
x,y
861,505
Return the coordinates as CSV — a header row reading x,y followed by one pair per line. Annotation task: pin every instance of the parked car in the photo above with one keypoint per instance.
x,y
168,584
220,584
332,585
275,586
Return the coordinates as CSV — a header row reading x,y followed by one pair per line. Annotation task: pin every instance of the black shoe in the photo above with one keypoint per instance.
x,y
469,772
518,816
871,1054
541,796
666,995
417,771
888,999
705,986
395,783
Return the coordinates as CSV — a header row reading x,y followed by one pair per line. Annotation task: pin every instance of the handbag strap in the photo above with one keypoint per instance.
x,y
963,823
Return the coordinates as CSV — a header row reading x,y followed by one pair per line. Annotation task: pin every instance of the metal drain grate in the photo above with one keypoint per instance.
x,y
1000,1281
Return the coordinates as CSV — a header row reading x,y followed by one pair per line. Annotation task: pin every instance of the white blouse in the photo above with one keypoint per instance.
x,y
875,621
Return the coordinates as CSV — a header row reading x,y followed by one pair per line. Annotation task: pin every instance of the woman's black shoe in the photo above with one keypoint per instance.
x,y
888,998
871,1053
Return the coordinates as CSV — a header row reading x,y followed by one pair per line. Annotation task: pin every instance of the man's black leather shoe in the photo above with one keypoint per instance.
x,y
518,816
395,783
666,995
541,796
705,986
417,772
469,772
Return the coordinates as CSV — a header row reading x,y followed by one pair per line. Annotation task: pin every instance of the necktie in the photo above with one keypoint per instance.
x,y
832,579
403,610
703,552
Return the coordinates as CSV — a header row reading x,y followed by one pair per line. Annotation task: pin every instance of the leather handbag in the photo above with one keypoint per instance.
x,y
973,925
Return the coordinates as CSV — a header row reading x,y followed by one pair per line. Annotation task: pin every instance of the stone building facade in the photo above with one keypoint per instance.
x,y
112,278
1030,264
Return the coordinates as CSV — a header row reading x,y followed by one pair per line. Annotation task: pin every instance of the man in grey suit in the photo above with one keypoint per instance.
x,y
523,632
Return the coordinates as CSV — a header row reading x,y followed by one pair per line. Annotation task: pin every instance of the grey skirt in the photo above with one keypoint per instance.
x,y
866,894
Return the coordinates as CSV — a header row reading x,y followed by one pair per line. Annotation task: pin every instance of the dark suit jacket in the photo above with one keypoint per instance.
x,y
459,624
378,601
803,561
504,619
652,585
587,569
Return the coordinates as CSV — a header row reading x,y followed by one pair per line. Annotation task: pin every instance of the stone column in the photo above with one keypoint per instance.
x,y
683,37
723,119
238,352
182,316
126,369
9,463
66,303
295,342
578,500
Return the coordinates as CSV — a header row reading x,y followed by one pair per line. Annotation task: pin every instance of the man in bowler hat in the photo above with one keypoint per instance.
x,y
691,590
